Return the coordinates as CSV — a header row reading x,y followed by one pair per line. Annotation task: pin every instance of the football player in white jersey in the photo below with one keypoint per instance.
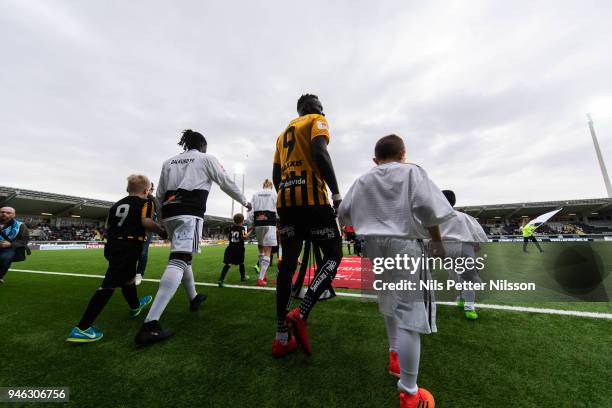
x,y
394,207
182,190
461,235
263,218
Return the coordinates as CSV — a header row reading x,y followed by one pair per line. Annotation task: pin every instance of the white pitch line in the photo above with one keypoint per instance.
x,y
560,312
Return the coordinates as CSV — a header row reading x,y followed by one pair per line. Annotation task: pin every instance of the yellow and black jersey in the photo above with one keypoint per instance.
x,y
125,218
301,183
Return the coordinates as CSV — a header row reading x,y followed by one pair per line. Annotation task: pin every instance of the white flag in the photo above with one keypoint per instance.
x,y
536,222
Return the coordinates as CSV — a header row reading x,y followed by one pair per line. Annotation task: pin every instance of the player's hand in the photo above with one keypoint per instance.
x,y
5,244
436,249
248,206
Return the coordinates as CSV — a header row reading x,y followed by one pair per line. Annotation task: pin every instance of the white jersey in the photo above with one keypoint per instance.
x,y
185,182
264,208
462,228
394,200
264,200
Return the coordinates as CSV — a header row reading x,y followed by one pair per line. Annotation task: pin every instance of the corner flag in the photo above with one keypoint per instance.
x,y
536,222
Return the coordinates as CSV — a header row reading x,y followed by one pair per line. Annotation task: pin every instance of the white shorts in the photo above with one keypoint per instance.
x,y
412,310
266,236
184,232
462,250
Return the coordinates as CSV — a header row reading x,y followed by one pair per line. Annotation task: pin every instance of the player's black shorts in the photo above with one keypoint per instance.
x,y
350,236
316,223
234,255
122,256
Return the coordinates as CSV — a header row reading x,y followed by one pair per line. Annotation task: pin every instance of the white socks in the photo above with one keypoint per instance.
x,y
409,353
170,281
264,262
189,283
391,332
469,296
408,346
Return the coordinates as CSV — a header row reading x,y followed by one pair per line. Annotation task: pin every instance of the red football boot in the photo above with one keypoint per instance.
x,y
394,368
299,327
261,282
280,350
422,399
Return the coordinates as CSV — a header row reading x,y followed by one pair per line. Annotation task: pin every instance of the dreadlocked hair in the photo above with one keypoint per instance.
x,y
191,140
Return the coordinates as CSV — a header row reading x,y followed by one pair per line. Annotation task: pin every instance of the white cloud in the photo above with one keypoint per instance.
x,y
490,97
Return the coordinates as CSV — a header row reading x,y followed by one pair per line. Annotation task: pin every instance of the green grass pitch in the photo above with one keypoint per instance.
x,y
220,356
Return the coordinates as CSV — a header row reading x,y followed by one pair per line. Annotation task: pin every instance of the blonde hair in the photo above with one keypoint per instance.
x,y
137,183
267,184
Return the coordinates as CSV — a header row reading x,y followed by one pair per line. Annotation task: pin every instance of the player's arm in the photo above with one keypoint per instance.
x,y
479,234
146,219
219,176
276,170
344,210
435,246
251,213
320,155
151,225
276,175
160,192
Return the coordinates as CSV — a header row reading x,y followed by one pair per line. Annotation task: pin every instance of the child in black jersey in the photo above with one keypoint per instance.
x,y
128,221
234,253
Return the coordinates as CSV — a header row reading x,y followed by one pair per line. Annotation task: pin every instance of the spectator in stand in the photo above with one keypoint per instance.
x,y
14,238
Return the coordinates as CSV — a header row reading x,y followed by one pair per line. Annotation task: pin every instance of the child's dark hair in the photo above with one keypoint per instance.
x,y
191,140
450,196
238,218
388,147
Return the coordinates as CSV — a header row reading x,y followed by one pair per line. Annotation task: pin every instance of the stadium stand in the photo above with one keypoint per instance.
x,y
578,217
59,217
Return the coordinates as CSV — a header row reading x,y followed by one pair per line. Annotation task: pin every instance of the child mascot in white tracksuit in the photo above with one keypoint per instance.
x,y
461,235
395,206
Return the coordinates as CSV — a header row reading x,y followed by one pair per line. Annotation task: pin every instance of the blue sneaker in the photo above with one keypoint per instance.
x,y
84,336
145,300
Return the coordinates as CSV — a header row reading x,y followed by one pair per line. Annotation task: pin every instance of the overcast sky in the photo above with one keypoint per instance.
x,y
490,97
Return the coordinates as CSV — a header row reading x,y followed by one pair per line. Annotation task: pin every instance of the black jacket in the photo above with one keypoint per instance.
x,y
22,238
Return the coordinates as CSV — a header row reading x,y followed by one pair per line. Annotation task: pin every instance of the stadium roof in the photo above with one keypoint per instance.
x,y
514,210
32,202
58,205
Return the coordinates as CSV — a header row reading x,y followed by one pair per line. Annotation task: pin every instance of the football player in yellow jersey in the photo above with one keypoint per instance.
x,y
302,173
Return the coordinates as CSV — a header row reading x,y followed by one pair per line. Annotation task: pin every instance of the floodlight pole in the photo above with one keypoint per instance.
x,y
242,208
232,214
602,165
